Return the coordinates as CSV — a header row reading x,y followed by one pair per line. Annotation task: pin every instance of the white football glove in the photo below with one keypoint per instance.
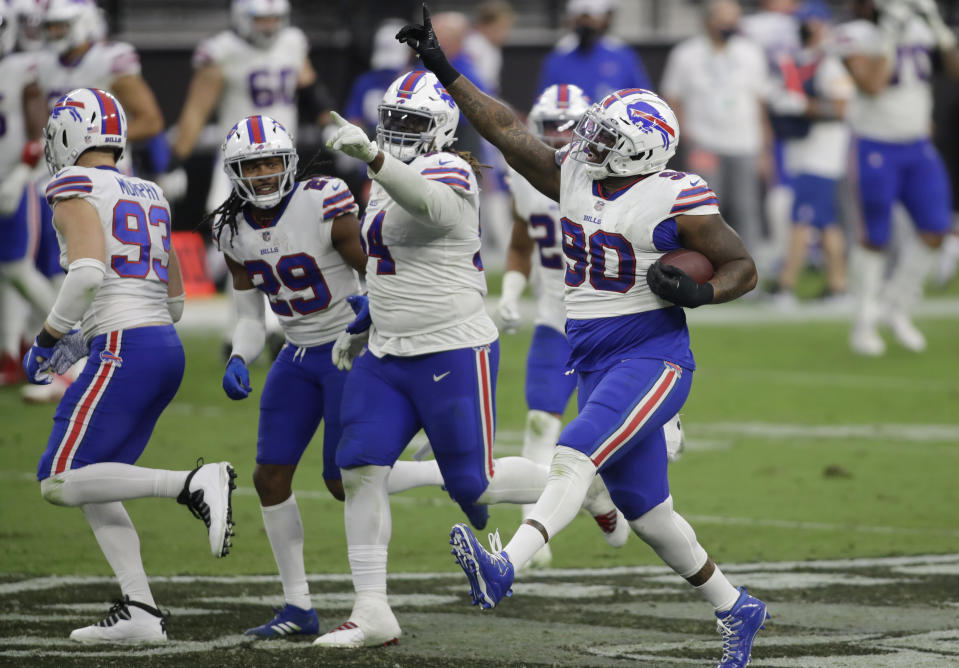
x,y
514,283
929,11
347,347
788,102
351,139
70,348
174,184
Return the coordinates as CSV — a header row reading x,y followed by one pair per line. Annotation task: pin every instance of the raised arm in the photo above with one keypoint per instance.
x,y
492,119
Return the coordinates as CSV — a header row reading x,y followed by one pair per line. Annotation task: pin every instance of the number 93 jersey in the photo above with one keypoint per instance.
x,y
549,267
611,238
135,218
294,263
255,80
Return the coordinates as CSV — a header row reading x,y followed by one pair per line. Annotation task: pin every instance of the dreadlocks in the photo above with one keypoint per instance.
x,y
224,216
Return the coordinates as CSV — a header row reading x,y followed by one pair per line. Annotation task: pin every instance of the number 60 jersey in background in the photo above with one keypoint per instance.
x,y
136,227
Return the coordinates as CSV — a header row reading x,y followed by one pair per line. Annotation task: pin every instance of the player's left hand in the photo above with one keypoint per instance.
x,y
422,39
928,10
675,285
236,379
361,307
351,139
69,349
36,363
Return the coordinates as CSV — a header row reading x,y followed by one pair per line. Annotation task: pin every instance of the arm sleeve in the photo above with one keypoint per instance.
x,y
249,335
83,279
421,196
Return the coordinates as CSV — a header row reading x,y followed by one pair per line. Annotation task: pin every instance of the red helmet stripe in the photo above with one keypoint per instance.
x,y
562,96
255,126
409,83
109,113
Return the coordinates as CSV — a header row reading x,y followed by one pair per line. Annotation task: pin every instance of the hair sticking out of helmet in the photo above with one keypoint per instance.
x,y
83,119
68,24
258,138
416,116
260,21
556,112
629,132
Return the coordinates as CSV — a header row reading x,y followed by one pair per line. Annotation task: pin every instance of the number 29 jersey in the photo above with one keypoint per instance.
x,y
294,263
135,218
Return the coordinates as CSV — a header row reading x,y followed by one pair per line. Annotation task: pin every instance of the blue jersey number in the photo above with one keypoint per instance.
x,y
296,272
549,256
268,87
131,228
374,247
591,253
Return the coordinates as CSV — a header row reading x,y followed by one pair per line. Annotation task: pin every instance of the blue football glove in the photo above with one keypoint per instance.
x,y
361,307
36,363
69,349
236,380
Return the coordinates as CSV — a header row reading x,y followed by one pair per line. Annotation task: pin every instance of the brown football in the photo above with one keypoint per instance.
x,y
694,263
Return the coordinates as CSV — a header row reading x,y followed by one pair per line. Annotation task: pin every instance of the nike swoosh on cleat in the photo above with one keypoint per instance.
x,y
441,376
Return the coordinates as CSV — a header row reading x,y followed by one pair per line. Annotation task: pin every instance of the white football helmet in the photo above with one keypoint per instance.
x,y
556,111
630,131
417,116
84,20
82,119
245,12
259,137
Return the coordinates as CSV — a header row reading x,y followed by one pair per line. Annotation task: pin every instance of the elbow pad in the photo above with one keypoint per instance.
x,y
84,277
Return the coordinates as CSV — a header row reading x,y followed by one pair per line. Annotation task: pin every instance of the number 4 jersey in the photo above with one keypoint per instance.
x,y
135,218
294,263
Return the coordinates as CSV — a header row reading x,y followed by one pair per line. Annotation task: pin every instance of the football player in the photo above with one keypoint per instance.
x,y
258,67
124,291
20,217
621,211
889,51
296,239
433,350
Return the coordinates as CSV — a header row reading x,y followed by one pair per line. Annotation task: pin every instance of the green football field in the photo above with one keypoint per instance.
x,y
800,459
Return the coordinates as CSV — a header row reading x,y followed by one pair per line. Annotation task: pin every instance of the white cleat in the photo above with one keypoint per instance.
x,y
128,623
906,333
599,504
865,340
675,438
370,625
207,493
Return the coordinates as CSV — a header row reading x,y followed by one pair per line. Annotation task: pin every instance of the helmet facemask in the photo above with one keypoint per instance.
x,y
595,142
246,186
405,133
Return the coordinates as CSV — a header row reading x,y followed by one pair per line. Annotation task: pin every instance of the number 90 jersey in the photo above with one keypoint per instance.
x,y
255,80
135,218
549,267
611,239
294,263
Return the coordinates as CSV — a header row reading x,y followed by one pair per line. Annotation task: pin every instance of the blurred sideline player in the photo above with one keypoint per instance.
x,y
626,327
125,308
433,350
811,102
889,51
294,237
536,223
22,285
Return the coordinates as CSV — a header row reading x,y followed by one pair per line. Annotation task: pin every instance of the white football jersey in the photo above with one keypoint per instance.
x,y
549,266
426,284
902,112
611,240
136,228
17,70
255,80
99,67
294,263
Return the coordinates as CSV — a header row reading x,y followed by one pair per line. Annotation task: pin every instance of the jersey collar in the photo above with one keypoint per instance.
x,y
604,193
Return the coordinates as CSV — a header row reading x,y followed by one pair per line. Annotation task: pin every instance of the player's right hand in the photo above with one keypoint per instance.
x,y
236,379
361,307
351,139
509,316
32,152
36,364
70,348
675,285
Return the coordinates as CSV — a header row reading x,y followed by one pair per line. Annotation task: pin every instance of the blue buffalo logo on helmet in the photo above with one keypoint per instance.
x,y
648,119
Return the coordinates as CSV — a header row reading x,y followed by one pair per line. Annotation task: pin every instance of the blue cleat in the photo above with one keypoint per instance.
x,y
477,514
738,627
289,621
490,575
